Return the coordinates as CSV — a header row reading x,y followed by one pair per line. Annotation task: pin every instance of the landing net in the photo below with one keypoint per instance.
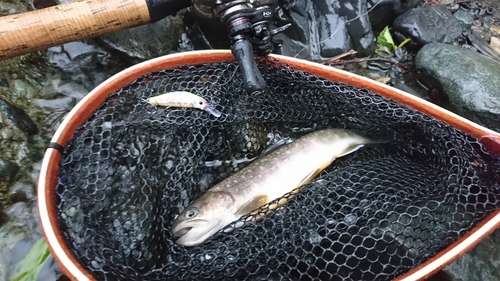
x,y
372,215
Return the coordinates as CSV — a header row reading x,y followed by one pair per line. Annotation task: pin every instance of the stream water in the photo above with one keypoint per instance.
x,y
64,76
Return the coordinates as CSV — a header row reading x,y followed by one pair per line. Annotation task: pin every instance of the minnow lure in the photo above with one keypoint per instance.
x,y
183,99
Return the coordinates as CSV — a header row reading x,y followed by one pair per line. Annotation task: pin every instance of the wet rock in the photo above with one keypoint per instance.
x,y
322,29
480,263
64,97
297,41
4,82
495,28
24,218
358,26
84,63
17,236
383,12
147,41
495,44
12,7
203,34
15,116
24,88
329,43
22,192
49,271
403,87
465,18
480,45
8,170
428,24
470,80
40,4
332,30
3,218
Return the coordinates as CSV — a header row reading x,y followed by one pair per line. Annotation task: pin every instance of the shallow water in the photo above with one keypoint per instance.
x,y
46,94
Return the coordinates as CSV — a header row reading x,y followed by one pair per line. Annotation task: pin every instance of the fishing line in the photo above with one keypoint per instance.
x,y
338,28
232,75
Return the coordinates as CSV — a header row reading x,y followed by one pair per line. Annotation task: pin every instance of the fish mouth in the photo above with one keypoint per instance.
x,y
194,232
183,231
183,227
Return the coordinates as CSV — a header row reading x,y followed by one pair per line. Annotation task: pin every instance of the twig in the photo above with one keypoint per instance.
x,y
360,60
341,56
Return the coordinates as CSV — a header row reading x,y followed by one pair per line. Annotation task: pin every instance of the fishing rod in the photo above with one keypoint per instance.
x,y
247,23
31,31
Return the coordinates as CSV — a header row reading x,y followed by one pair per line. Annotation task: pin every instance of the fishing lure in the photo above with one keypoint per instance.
x,y
183,99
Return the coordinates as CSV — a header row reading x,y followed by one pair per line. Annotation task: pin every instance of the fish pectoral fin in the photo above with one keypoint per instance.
x,y
309,177
252,204
350,149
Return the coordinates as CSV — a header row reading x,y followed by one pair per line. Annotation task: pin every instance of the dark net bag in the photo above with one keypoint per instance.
x,y
372,215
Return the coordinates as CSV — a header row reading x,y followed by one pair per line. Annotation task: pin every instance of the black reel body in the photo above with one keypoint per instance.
x,y
248,27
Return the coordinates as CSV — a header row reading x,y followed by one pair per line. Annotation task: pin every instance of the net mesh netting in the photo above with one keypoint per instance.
x,y
372,215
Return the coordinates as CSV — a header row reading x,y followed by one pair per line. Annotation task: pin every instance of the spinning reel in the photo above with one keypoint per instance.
x,y
248,26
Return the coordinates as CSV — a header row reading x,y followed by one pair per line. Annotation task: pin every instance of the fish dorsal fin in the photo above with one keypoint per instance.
x,y
252,204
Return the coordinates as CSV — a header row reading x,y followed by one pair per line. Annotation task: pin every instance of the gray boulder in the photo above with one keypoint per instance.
x,y
383,12
428,24
16,117
317,31
470,80
323,28
465,18
358,25
8,170
147,41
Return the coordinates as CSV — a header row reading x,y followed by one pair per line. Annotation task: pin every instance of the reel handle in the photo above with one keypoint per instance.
x,y
252,78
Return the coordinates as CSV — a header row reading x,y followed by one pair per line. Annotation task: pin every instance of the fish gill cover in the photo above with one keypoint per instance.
x,y
372,215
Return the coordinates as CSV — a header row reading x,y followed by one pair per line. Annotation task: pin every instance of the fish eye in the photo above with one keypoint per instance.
x,y
200,102
191,213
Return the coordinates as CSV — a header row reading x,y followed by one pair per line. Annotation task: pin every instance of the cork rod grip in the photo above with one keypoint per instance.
x,y
35,30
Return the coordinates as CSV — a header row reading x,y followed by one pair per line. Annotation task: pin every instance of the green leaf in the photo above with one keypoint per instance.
x,y
385,39
29,268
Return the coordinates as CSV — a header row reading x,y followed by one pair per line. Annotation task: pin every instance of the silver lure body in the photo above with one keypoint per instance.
x,y
183,99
